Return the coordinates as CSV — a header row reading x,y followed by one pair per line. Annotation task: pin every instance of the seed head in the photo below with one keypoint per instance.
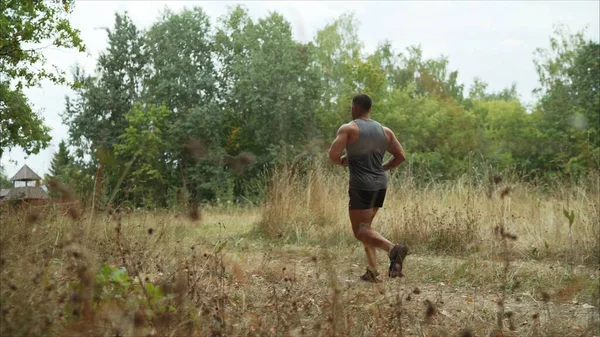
x,y
138,319
194,148
466,333
545,297
32,218
76,298
61,188
246,158
431,310
505,192
194,212
73,213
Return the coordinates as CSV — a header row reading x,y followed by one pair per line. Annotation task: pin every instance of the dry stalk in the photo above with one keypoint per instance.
x,y
337,310
504,235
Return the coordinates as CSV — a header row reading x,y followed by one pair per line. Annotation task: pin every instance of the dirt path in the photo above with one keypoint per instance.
x,y
461,294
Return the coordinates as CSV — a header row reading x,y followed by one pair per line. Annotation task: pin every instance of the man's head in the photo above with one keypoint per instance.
x,y
361,105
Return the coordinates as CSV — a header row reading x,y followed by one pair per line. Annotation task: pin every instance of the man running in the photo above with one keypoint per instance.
x,y
366,142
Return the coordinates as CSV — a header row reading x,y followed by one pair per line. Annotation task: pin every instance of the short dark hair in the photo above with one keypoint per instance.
x,y
363,101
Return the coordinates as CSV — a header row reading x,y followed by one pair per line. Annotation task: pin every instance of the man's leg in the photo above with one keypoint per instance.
x,y
372,239
371,257
369,250
361,218
361,225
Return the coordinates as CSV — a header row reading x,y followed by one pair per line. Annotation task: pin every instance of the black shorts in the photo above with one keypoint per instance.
x,y
360,199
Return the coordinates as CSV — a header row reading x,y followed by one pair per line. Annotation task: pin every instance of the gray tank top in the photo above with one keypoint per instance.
x,y
365,157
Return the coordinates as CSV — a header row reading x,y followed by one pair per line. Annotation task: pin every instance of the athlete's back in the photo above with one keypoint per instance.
x,y
365,156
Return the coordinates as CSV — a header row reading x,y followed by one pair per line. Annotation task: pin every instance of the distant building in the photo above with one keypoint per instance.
x,y
31,193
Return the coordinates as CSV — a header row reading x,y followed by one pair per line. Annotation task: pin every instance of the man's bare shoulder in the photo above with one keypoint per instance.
x,y
348,127
388,133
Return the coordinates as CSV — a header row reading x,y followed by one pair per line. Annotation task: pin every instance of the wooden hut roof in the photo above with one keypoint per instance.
x,y
25,174
26,192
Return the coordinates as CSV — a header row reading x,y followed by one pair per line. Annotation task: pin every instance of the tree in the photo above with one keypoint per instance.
x,y
270,90
4,180
96,114
60,160
337,45
362,76
22,23
553,64
276,86
437,134
180,50
428,76
509,134
585,93
478,92
19,125
183,78
144,141
569,105
61,168
169,108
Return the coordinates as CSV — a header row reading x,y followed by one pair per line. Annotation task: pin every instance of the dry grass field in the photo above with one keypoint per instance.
x,y
488,257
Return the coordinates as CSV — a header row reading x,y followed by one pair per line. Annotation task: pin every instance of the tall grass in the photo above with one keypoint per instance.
x,y
178,273
455,217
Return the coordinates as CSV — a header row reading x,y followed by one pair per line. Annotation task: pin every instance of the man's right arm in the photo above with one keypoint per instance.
x,y
338,145
398,154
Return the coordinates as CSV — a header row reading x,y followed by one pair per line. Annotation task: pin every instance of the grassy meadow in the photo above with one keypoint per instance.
x,y
489,256
185,105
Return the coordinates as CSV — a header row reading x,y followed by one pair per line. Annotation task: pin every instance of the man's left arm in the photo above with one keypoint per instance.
x,y
338,145
398,154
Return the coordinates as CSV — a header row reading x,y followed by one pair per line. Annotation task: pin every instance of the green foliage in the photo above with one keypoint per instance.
x,y
111,282
337,45
570,216
96,116
144,140
60,161
271,88
179,50
61,167
24,23
509,131
246,86
115,284
19,125
4,179
569,108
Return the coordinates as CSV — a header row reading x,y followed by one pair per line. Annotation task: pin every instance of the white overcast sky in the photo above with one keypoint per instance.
x,y
492,40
